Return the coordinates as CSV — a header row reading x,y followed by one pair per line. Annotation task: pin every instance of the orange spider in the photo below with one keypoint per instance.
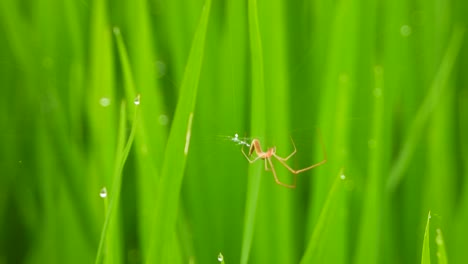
x,y
271,152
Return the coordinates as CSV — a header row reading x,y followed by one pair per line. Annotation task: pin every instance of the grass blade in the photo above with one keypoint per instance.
x,y
121,156
370,229
258,125
320,229
424,112
123,149
426,253
168,191
441,253
130,90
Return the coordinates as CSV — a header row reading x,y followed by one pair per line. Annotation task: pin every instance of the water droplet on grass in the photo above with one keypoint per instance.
x,y
405,30
137,100
163,120
220,257
103,193
439,239
105,102
342,176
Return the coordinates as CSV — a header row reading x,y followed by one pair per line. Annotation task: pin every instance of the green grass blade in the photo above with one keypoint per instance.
x,y
168,190
123,149
258,126
136,48
16,30
430,102
441,253
426,253
266,246
319,232
129,86
370,229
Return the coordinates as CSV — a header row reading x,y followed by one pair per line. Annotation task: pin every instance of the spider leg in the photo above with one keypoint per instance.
x,y
247,157
282,160
276,178
266,165
301,170
290,155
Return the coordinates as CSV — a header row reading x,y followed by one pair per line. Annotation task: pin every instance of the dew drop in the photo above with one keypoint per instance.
x,y
220,257
103,193
137,100
104,102
405,30
439,239
342,176
163,120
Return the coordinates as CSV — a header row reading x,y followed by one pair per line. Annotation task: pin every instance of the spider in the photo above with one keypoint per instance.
x,y
271,152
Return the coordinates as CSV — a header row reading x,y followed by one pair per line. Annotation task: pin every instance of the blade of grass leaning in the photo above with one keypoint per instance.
x,y
168,190
123,149
129,86
430,102
319,231
368,245
17,31
426,253
269,247
151,137
257,128
441,253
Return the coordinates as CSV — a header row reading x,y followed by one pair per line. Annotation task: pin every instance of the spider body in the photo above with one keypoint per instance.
x,y
271,152
255,146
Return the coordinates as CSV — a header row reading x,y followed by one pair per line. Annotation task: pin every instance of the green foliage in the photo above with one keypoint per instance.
x,y
383,82
426,251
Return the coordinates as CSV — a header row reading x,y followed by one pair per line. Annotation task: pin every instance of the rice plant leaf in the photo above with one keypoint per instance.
x,y
129,86
441,253
370,230
313,248
168,191
430,103
123,149
258,125
426,253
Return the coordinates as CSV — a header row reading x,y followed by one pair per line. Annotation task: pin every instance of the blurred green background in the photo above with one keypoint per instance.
x,y
118,123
